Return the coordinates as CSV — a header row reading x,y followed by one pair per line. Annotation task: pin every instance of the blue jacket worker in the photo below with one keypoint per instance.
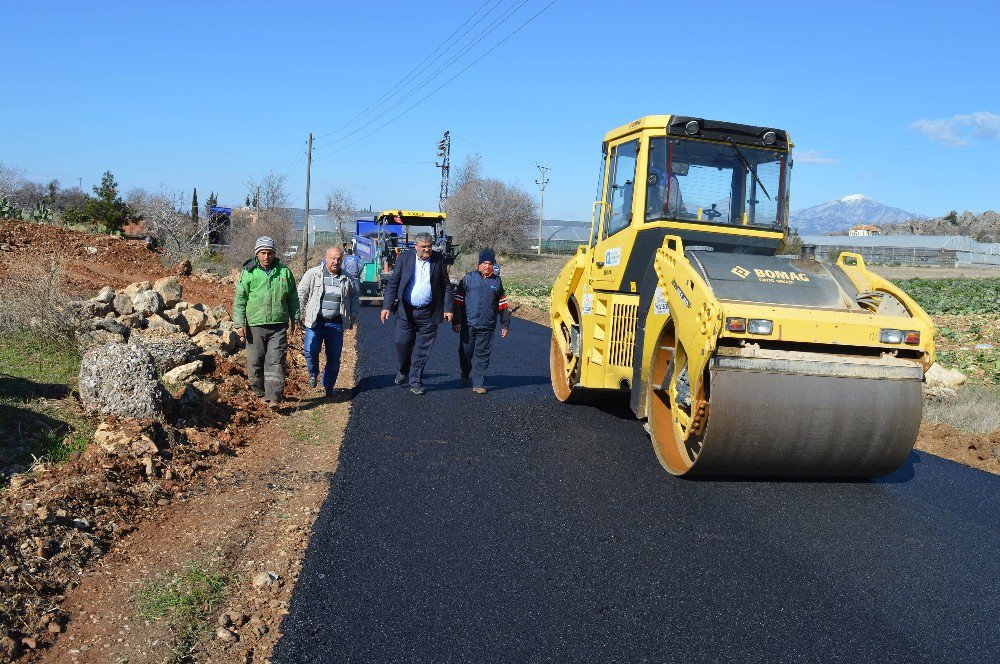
x,y
330,304
479,301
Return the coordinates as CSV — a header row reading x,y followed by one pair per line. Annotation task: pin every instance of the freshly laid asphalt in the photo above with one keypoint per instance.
x,y
510,527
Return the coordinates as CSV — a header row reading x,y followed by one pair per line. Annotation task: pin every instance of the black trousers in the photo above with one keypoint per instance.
x,y
474,346
415,334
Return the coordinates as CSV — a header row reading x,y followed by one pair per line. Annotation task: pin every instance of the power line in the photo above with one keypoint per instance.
x,y
414,72
435,90
437,72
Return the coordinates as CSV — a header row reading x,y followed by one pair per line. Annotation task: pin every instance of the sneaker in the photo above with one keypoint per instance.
x,y
479,390
400,379
332,392
312,381
417,389
466,381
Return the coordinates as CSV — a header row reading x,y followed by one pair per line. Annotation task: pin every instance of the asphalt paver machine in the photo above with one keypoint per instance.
x,y
394,231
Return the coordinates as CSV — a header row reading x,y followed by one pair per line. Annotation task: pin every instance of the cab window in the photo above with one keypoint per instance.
x,y
598,213
623,162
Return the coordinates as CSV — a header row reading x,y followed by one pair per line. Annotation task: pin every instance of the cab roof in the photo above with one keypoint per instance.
x,y
707,129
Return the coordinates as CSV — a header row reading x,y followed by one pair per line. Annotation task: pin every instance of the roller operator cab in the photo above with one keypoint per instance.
x,y
743,362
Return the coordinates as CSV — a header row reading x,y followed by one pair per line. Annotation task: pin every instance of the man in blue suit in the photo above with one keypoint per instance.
x,y
419,292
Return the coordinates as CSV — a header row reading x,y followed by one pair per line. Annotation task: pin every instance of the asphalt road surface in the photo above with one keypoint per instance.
x,y
510,527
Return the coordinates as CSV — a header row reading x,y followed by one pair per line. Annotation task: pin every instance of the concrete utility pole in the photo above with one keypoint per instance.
x,y
305,226
541,208
444,154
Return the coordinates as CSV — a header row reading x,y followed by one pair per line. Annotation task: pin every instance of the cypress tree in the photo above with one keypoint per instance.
x,y
194,206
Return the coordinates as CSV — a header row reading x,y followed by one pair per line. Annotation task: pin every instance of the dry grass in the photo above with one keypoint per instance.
x,y
976,410
32,299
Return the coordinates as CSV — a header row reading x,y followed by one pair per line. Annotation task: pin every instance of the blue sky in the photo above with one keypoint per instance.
x,y
898,101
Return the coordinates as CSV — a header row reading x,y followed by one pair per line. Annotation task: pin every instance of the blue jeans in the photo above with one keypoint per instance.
x,y
332,336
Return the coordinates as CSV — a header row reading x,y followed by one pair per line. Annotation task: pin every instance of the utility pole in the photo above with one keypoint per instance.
x,y
541,208
305,226
444,154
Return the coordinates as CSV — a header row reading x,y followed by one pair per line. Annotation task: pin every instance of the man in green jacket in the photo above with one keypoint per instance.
x,y
265,308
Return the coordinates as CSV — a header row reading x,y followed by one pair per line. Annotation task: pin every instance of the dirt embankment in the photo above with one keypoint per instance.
x,y
90,261
225,487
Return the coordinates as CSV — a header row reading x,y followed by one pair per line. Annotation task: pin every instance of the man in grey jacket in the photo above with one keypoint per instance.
x,y
330,302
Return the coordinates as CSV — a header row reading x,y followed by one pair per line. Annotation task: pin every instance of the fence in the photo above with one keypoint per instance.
x,y
901,255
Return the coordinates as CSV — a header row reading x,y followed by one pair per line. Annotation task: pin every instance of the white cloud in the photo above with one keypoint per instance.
x,y
813,157
959,130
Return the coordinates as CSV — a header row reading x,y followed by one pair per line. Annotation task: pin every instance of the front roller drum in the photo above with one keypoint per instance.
x,y
779,424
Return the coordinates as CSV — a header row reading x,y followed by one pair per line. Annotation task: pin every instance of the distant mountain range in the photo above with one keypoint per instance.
x,y
983,227
837,216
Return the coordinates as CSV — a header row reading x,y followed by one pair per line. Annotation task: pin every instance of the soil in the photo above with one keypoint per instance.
x,y
980,451
90,262
227,485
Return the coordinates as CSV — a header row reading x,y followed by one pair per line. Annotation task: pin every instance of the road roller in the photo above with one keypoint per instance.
x,y
743,361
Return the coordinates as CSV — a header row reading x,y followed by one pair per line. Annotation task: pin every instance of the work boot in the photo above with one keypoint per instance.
x,y
400,379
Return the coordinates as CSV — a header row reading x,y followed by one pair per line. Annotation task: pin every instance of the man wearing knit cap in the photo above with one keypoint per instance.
x,y
265,308
479,301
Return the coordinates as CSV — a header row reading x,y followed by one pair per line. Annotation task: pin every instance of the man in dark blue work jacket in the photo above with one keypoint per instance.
x,y
479,300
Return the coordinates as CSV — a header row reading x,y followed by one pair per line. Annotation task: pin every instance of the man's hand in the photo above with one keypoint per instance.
x,y
384,316
243,331
449,317
456,327
503,332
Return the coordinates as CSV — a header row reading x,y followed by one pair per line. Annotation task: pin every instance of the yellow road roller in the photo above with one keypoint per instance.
x,y
743,362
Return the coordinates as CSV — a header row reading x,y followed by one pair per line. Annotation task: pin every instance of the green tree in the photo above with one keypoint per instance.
x,y
212,201
194,206
108,210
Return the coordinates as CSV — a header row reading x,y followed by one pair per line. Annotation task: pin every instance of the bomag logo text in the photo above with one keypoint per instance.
x,y
740,272
780,276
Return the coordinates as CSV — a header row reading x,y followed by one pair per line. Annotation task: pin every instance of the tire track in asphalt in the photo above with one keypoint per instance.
x,y
508,526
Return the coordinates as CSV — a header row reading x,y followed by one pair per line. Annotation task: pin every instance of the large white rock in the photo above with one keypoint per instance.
x,y
938,376
184,373
170,290
148,302
120,379
134,289
194,321
157,323
218,342
106,295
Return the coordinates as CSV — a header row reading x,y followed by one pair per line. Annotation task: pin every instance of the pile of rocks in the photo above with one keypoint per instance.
x,y
131,339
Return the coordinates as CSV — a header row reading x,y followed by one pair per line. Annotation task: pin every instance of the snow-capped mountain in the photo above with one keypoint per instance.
x,y
838,215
